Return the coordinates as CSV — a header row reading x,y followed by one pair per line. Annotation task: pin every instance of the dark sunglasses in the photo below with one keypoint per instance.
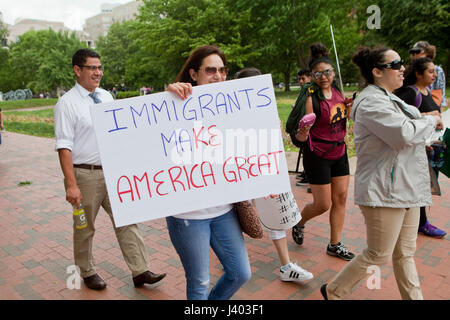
x,y
213,70
415,51
394,65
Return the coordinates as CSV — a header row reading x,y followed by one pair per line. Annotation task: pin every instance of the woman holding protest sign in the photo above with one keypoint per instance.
x,y
193,233
325,155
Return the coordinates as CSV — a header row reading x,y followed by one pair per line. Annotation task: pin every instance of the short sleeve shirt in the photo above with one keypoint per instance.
x,y
73,124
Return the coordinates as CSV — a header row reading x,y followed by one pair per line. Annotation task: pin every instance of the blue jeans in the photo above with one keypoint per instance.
x,y
192,240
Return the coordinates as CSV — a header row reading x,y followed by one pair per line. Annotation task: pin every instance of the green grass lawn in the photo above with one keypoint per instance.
x,y
31,103
40,129
36,123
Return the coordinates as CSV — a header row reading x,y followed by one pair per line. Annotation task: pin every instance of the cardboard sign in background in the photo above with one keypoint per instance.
x,y
163,156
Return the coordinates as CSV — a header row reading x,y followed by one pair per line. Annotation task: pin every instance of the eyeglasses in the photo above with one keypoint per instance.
x,y
394,65
93,68
327,73
213,70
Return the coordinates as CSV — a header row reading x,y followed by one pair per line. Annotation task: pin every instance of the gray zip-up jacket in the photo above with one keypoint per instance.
x,y
392,167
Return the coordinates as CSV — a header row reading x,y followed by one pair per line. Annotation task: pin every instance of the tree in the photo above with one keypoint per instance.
x,y
42,60
8,79
282,31
127,64
114,50
3,34
168,31
405,22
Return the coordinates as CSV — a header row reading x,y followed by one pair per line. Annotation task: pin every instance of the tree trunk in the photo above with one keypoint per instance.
x,y
287,79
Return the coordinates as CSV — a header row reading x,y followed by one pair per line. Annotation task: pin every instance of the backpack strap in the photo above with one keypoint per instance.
x,y
418,100
316,105
334,144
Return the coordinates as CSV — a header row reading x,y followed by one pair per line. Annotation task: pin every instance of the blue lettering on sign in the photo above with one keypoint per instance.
x,y
163,138
194,117
205,106
140,114
222,102
230,100
159,110
248,98
263,95
185,140
115,120
175,110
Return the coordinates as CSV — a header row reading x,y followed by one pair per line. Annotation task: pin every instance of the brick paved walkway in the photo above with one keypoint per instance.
x,y
36,243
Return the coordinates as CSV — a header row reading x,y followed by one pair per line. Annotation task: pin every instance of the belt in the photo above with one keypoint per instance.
x,y
88,166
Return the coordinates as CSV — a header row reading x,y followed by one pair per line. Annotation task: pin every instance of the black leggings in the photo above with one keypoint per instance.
x,y
423,217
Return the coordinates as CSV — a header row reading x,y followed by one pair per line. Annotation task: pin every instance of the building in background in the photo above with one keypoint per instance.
x,y
93,28
23,25
126,12
99,24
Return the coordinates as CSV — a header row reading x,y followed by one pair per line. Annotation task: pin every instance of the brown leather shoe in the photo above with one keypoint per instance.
x,y
147,277
94,282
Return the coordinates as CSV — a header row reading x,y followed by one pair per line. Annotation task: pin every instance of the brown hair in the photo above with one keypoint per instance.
x,y
319,53
430,52
367,59
428,49
247,72
195,61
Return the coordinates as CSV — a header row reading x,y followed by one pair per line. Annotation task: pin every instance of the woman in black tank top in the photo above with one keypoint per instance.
x,y
415,91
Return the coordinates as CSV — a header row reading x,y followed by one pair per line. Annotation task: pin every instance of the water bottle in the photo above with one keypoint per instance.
x,y
79,217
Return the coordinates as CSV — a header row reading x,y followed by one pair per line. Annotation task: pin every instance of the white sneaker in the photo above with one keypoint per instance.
x,y
295,273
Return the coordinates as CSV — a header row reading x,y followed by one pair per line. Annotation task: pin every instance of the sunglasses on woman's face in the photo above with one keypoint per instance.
x,y
213,70
318,74
394,65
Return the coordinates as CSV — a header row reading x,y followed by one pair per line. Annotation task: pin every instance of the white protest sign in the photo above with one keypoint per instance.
x,y
163,156
278,213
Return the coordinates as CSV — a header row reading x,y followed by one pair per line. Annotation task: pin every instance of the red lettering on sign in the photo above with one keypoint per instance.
x,y
192,180
196,137
159,183
241,167
176,179
130,190
275,158
262,164
212,136
210,174
234,179
251,166
140,180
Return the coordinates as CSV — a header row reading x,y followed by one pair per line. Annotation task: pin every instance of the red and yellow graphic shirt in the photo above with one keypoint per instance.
x,y
330,126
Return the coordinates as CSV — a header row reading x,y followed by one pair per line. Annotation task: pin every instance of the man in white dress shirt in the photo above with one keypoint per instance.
x,y
83,175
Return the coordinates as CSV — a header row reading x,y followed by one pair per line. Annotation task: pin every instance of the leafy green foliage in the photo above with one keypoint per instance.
x,y
271,35
42,60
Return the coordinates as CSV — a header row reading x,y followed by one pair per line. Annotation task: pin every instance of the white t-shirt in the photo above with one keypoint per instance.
x,y
207,213
73,124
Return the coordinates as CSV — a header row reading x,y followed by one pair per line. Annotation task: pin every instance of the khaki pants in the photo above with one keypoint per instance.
x,y
391,232
93,190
